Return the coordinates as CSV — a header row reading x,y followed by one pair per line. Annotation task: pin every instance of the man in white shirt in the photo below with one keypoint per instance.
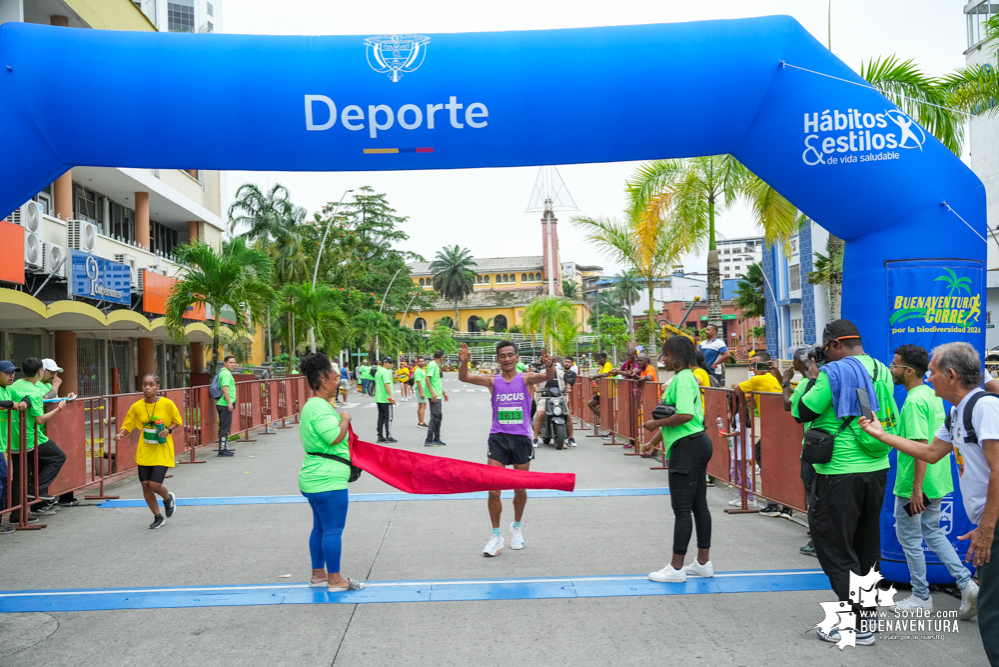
x,y
716,353
956,374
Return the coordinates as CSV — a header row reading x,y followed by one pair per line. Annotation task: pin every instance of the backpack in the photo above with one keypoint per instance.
x,y
970,437
215,388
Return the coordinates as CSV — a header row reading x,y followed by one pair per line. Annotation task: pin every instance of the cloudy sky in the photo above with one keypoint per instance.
x,y
457,206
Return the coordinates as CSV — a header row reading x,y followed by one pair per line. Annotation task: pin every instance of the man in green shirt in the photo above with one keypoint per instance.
x,y
384,400
422,391
920,419
364,373
8,401
849,490
51,458
437,392
226,404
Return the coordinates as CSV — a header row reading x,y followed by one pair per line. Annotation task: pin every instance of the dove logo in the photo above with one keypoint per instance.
x,y
840,617
946,515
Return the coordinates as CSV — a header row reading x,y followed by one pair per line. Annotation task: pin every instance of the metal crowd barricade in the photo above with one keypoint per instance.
x,y
19,504
780,453
608,408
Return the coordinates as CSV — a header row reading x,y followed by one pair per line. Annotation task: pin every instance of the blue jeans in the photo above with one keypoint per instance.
x,y
911,531
329,514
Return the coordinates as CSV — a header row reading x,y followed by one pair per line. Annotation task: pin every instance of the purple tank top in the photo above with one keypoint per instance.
x,y
511,406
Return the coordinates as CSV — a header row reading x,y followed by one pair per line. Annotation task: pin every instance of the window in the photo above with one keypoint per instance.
x,y
797,332
487,280
209,9
421,282
419,324
523,278
794,277
180,16
88,205
794,245
122,223
499,323
162,239
977,17
209,27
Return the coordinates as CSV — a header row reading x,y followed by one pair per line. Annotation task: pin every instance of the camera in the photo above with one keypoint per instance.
x,y
762,366
818,355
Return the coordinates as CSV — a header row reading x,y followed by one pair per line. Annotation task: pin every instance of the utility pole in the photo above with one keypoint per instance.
x,y
319,256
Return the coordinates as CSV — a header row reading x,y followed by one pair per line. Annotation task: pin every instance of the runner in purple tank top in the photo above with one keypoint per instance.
x,y
510,435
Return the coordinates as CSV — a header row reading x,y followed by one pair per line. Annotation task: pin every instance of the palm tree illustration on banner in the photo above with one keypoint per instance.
x,y
954,284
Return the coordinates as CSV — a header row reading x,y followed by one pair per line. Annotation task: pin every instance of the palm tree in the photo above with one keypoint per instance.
x,y
688,194
318,308
267,215
749,293
570,289
627,289
236,276
565,339
548,315
453,275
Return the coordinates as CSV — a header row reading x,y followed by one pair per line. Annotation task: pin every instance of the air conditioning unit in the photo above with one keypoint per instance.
x,y
56,260
34,252
136,273
31,217
82,235
139,281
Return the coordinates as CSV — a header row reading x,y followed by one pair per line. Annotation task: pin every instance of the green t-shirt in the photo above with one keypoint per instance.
x,y
32,395
420,380
684,393
796,395
383,376
364,373
321,426
434,376
921,417
227,380
7,394
848,456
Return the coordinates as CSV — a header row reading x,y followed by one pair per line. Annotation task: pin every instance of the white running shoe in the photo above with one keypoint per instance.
x,y
494,544
969,602
913,602
695,569
535,443
669,575
735,502
516,538
572,443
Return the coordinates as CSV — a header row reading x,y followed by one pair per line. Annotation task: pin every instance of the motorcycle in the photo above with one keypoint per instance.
x,y
553,424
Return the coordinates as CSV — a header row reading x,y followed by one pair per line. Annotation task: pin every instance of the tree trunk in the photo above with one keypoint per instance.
x,y
651,324
714,272
456,315
215,340
291,358
835,249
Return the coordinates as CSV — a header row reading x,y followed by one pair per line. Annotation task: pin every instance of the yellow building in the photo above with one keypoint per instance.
x,y
504,286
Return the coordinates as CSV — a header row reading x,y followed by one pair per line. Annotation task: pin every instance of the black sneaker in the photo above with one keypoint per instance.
x,y
170,505
381,439
391,440
786,512
157,522
226,452
7,530
439,443
808,549
69,503
41,511
429,444
770,510
42,496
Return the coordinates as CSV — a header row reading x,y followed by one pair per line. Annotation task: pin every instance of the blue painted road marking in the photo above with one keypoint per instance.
x,y
407,591
382,497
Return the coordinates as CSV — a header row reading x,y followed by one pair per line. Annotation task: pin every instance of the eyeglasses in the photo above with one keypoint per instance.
x,y
892,367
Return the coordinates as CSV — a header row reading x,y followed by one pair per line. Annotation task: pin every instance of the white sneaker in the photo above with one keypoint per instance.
x,y
969,602
669,575
535,443
572,443
695,569
735,502
913,602
516,538
493,546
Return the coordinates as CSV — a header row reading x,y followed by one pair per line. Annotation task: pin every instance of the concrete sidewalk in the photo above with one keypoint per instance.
x,y
90,547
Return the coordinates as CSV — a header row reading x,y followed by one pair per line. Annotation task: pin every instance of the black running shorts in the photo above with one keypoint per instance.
x,y
510,449
152,474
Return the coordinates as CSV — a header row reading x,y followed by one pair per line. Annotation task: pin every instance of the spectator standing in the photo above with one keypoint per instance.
x,y
8,401
605,369
760,380
437,393
226,404
345,382
973,427
716,353
421,389
921,417
849,489
50,383
403,374
48,466
384,400
688,450
325,473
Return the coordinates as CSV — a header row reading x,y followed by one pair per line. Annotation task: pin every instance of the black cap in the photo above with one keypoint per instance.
x,y
387,360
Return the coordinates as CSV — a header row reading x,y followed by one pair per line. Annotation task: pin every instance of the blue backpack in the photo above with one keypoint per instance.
x,y
215,388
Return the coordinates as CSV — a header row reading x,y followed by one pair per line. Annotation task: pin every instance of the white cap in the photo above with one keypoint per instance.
x,y
50,365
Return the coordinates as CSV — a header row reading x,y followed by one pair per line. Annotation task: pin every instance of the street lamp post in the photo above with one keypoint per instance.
x,y
319,256
378,351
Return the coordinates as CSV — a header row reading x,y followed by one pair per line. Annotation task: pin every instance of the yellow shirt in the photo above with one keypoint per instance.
x,y
764,382
141,412
703,380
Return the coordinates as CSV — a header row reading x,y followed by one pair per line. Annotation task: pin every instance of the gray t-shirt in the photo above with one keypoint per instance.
x,y
975,480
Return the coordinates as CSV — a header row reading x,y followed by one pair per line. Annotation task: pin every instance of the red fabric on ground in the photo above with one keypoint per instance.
x,y
413,472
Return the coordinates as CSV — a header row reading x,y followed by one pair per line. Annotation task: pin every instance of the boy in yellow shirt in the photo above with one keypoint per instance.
x,y
761,380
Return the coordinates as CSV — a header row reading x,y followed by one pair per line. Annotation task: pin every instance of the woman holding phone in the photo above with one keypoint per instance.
x,y
688,450
325,471
158,417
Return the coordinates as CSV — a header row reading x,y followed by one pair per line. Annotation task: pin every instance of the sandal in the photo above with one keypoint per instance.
x,y
351,586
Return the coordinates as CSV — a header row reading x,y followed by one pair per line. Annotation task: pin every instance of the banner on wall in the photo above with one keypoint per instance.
x,y
101,279
930,302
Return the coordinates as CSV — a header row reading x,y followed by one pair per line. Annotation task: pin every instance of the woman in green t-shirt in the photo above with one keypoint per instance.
x,y
688,450
323,479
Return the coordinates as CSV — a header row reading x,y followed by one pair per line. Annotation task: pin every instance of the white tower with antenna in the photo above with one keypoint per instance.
x,y
550,194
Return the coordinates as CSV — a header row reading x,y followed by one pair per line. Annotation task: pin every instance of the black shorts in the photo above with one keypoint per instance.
x,y
510,449
411,382
152,474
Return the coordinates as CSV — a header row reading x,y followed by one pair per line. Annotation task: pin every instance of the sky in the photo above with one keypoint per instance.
x,y
457,206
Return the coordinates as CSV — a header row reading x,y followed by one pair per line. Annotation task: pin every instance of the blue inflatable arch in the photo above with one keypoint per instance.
x,y
839,151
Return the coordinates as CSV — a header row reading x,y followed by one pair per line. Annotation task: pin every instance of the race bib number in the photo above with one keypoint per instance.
x,y
510,415
150,436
